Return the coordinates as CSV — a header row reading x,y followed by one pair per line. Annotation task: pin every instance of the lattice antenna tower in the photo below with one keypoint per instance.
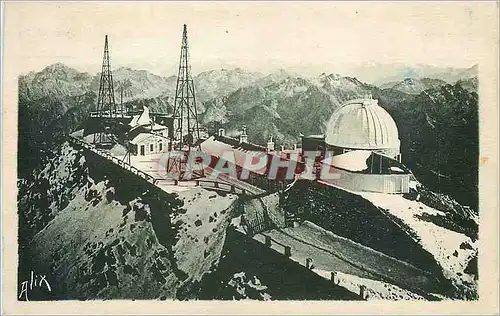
x,y
186,127
106,101
106,105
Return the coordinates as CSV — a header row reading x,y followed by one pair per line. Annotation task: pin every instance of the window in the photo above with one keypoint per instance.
x,y
161,146
151,147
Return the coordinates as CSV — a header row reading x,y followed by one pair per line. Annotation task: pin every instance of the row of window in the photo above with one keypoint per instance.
x,y
160,148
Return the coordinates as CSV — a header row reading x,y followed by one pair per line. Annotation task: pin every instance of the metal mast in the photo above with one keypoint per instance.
x,y
186,128
106,100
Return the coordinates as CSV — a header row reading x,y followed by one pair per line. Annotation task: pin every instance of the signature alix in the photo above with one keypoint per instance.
x,y
36,281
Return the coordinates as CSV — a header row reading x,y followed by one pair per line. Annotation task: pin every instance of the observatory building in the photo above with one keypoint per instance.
x,y
362,144
361,124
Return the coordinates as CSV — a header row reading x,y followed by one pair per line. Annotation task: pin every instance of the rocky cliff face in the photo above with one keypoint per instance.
x,y
54,80
98,233
95,238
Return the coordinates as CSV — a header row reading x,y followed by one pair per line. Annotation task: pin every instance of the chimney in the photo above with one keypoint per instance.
x,y
222,132
270,144
243,135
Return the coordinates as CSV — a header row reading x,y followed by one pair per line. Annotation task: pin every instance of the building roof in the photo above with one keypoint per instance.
x,y
143,137
221,146
319,136
366,162
237,144
226,147
141,119
158,127
362,124
133,122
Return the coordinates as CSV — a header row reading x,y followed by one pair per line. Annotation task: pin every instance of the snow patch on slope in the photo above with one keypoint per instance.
x,y
375,290
443,244
202,227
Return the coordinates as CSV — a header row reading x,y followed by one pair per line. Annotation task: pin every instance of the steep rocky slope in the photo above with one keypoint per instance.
x,y
439,132
97,238
433,233
43,123
470,84
452,249
54,80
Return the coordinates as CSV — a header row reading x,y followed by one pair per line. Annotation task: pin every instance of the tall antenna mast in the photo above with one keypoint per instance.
x,y
106,106
106,101
186,128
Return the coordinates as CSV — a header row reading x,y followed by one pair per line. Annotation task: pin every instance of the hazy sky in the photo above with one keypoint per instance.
x,y
307,37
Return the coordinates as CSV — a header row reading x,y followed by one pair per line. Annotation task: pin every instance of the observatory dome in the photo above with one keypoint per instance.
x,y
363,124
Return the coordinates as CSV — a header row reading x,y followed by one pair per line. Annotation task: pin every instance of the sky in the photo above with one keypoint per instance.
x,y
310,37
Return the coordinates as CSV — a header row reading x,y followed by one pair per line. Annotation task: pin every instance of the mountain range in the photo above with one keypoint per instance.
x,y
61,80
414,86
380,74
56,100
283,108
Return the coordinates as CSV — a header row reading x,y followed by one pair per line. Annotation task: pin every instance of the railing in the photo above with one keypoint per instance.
x,y
125,165
237,183
205,183
220,186
268,241
308,263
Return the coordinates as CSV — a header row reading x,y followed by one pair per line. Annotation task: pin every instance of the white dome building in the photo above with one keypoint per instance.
x,y
361,124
